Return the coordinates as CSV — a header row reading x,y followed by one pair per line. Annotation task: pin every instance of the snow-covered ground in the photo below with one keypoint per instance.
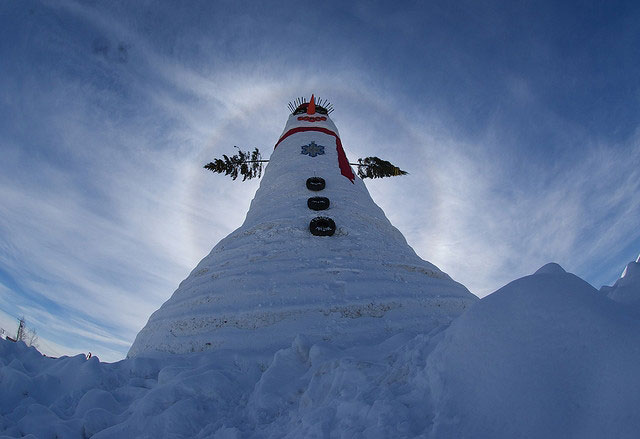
x,y
545,356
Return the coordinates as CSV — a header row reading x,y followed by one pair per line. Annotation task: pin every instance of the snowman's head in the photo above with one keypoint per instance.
x,y
312,108
312,113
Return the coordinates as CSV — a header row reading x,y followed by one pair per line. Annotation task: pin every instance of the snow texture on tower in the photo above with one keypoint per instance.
x,y
275,277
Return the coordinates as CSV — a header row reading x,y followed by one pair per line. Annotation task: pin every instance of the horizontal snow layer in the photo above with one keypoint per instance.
x,y
271,279
544,357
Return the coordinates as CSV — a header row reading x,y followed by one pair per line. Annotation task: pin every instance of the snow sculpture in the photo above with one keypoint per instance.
x,y
272,279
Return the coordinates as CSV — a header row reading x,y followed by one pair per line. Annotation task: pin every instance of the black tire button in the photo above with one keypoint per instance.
x,y
315,183
322,226
318,203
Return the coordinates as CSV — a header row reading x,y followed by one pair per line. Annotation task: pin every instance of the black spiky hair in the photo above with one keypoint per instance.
x,y
299,106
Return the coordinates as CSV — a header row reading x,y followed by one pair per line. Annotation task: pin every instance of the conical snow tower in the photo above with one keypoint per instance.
x,y
315,256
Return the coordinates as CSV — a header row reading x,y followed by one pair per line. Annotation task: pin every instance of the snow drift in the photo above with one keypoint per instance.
x,y
544,356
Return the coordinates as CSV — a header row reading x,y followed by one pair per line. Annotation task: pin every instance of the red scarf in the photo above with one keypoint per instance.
x,y
345,169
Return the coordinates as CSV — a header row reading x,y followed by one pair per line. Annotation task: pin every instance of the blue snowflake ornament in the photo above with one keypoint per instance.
x,y
312,149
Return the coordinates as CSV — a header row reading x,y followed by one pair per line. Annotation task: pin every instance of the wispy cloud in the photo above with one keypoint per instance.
x,y
486,226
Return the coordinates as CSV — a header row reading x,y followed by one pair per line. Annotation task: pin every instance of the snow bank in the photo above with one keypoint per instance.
x,y
306,390
544,356
72,397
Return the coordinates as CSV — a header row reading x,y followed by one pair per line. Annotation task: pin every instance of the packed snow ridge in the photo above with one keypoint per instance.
x,y
550,268
545,356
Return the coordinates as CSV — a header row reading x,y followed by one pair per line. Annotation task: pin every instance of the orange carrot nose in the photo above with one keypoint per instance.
x,y
311,108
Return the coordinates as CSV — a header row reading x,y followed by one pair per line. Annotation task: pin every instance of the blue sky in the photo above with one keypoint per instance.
x,y
517,121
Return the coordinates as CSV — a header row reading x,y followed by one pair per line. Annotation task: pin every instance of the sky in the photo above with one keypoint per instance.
x,y
517,121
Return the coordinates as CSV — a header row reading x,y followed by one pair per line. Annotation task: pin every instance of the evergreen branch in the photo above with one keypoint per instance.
x,y
248,164
374,167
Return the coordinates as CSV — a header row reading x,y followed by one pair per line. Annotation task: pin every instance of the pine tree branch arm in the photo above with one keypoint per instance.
x,y
374,167
249,165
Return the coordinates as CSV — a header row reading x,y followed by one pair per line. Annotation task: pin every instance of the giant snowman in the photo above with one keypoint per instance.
x,y
315,256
